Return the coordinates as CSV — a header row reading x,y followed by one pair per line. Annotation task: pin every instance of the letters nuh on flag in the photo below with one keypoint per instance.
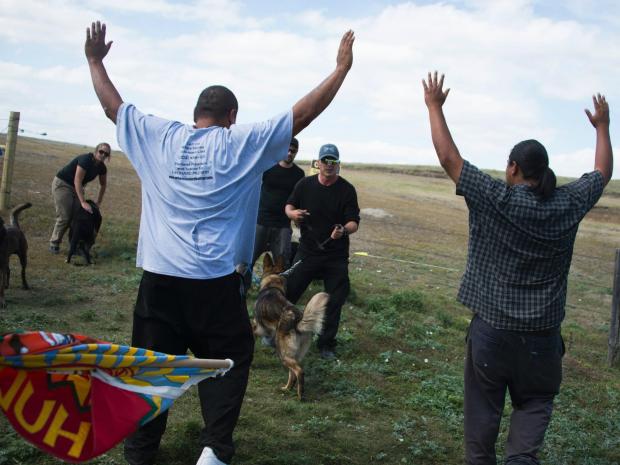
x,y
76,397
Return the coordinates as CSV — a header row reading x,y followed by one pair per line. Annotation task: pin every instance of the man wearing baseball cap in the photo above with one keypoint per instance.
x,y
325,208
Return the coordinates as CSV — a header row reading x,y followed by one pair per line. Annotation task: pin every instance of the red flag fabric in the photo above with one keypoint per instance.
x,y
76,397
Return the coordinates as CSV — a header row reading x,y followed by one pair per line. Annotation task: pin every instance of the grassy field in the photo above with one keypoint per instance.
x,y
395,395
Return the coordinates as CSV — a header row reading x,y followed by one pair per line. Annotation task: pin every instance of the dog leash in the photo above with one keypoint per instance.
x,y
321,245
287,273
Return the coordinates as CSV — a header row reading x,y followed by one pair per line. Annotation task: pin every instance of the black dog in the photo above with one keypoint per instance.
x,y
83,231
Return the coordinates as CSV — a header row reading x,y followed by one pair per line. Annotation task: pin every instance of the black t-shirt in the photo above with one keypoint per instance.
x,y
278,183
328,206
87,162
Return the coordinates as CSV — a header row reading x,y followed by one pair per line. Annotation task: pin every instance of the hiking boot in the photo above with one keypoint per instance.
x,y
328,354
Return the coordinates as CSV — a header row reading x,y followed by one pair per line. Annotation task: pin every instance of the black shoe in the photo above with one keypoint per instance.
x,y
54,249
328,354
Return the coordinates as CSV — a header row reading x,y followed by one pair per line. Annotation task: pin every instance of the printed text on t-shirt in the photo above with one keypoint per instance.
x,y
193,164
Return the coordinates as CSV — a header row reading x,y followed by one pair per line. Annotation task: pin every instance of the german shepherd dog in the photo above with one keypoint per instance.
x,y
275,316
12,241
83,231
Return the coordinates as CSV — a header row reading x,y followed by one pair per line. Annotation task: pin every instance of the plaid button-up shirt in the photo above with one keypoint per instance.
x,y
520,248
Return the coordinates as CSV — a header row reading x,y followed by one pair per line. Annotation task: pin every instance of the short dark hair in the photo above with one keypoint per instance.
x,y
215,102
532,158
294,142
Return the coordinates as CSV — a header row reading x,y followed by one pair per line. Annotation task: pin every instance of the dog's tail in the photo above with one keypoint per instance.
x,y
314,313
15,212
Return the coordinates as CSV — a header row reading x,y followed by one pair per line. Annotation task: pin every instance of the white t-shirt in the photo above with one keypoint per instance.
x,y
200,189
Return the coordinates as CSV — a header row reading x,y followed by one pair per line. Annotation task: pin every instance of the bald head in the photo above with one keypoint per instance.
x,y
215,102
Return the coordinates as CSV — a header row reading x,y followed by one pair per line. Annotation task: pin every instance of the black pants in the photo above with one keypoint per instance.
x,y
529,365
334,271
210,318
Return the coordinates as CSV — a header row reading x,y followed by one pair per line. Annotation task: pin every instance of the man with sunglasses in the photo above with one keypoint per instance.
x,y
68,188
200,192
326,209
273,227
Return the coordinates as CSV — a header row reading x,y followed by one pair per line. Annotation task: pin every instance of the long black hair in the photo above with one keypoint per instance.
x,y
532,158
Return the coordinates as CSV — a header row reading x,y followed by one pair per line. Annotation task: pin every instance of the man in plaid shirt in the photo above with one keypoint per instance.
x,y
521,237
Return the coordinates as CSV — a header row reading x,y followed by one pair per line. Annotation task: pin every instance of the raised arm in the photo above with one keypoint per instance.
x,y
447,152
603,157
96,49
313,104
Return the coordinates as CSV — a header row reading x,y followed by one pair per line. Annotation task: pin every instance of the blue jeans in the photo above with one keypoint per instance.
x,y
529,365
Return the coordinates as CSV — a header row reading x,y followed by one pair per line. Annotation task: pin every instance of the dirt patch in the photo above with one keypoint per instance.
x,y
375,213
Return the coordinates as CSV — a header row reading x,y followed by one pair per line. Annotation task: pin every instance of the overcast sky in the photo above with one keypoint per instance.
x,y
517,69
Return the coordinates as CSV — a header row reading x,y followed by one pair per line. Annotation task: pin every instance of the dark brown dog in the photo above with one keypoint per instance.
x,y
12,241
276,317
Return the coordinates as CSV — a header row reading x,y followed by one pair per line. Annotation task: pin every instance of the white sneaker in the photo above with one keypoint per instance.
x,y
208,458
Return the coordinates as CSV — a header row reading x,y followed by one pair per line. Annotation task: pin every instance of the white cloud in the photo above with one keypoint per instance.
x,y
209,13
372,151
508,67
573,163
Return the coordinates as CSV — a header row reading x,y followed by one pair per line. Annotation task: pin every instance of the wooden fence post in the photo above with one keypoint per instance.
x,y
613,354
9,158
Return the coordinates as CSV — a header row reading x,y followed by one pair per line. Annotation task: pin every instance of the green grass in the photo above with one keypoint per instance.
x,y
395,396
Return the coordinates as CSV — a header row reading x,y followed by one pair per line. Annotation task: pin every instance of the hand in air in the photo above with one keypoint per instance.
x,y
345,51
601,111
95,46
433,90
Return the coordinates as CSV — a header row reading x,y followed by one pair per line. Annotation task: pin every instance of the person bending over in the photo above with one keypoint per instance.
x,y
68,188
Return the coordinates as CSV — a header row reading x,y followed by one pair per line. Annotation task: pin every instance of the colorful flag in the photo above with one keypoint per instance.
x,y
76,397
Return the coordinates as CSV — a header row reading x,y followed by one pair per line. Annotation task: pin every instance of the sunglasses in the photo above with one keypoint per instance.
x,y
330,161
104,153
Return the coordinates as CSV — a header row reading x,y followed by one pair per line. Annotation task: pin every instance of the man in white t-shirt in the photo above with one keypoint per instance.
x,y
200,192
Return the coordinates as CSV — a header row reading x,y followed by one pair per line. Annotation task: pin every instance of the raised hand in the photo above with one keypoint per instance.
x,y
314,102
95,46
433,90
344,58
601,111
